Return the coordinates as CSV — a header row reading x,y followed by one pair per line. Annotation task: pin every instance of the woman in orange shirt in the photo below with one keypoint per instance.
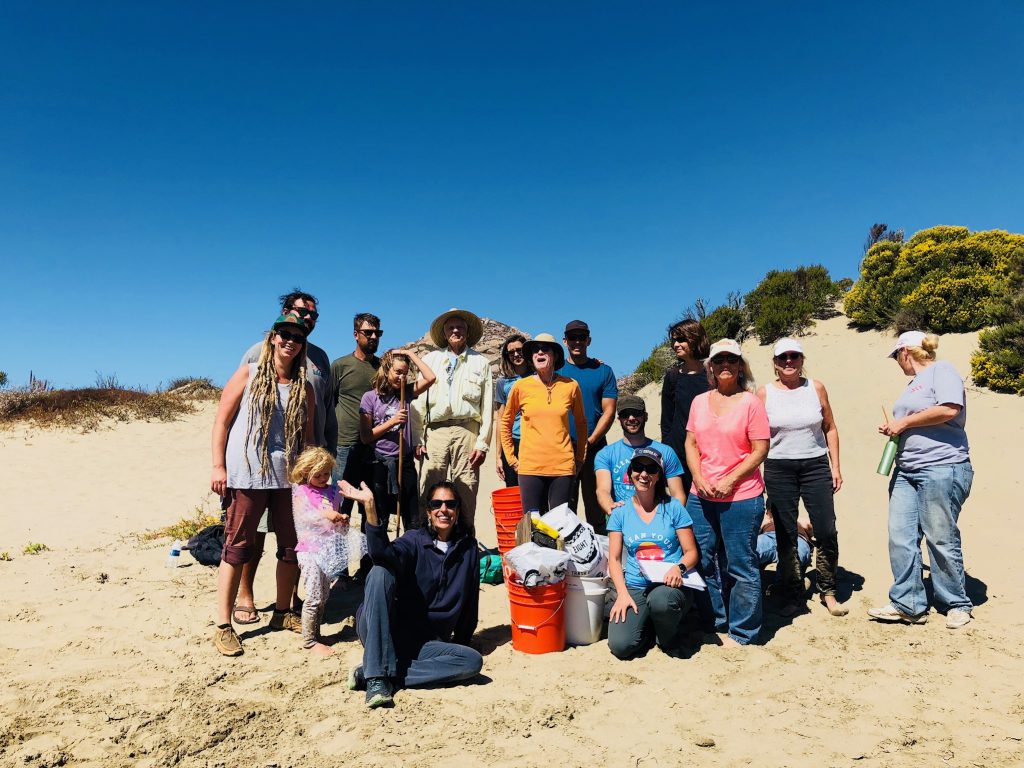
x,y
548,461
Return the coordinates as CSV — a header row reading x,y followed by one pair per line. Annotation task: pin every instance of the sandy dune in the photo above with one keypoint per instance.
x,y
107,659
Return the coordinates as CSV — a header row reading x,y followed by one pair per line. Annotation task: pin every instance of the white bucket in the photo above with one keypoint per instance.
x,y
584,609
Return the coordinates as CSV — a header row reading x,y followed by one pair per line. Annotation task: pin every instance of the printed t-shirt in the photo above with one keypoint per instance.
x,y
597,382
654,541
545,449
501,389
382,408
937,384
724,441
616,457
352,378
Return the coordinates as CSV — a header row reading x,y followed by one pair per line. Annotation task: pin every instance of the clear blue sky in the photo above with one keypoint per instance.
x,y
167,170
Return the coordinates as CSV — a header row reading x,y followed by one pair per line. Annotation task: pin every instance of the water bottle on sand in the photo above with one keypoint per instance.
x,y
174,557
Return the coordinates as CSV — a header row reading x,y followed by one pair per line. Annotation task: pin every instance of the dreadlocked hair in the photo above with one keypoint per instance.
x,y
387,362
263,401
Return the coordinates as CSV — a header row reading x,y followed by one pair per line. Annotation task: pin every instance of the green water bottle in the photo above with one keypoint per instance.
x,y
888,456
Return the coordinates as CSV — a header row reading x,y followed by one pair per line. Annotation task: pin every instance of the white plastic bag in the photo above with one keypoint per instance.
x,y
535,565
580,541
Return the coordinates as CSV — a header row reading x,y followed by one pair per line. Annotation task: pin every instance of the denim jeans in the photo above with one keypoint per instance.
x,y
660,612
726,533
789,481
927,502
435,662
768,550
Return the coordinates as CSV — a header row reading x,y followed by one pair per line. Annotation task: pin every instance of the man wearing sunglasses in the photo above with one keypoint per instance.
x,y
352,377
600,391
611,467
325,430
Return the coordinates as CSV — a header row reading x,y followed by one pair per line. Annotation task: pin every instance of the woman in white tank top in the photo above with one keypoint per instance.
x,y
802,463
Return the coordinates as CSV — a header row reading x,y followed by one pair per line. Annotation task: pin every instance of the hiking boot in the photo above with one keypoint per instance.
x,y
286,620
892,613
378,692
227,641
957,617
356,679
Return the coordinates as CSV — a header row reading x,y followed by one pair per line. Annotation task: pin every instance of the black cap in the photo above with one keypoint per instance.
x,y
630,403
577,325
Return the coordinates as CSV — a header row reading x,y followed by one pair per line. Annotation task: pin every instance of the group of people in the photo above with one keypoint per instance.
x,y
293,459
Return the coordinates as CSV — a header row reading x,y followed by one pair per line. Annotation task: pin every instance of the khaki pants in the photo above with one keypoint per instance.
x,y
449,446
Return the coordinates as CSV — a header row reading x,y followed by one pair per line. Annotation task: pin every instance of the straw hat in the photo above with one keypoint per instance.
x,y
474,328
545,338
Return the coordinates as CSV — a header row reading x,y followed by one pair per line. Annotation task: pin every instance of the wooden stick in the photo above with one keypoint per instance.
x,y
885,414
401,451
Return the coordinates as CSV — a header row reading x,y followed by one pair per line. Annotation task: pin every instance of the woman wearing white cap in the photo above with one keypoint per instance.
x,y
929,486
802,463
726,441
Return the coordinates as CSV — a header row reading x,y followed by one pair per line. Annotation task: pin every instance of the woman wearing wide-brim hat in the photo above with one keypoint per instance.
x,y
548,460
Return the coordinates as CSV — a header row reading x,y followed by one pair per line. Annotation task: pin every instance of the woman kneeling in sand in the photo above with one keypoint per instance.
x,y
421,600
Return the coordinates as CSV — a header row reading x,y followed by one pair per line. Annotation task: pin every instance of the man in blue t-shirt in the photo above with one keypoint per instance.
x,y
597,384
612,463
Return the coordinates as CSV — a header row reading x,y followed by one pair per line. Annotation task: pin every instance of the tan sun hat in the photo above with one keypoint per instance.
x,y
730,346
545,338
474,327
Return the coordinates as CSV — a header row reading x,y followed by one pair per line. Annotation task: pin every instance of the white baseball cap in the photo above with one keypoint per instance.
x,y
786,345
730,346
908,339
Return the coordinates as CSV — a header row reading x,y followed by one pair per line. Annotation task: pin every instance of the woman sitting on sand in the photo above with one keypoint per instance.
x,y
929,486
651,526
802,464
420,602
514,365
262,423
726,441
547,461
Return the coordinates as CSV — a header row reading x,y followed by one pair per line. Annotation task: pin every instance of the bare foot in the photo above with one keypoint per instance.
x,y
834,606
321,650
727,642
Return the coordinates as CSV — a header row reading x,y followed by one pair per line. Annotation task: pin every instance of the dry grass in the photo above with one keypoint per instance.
x,y
88,408
185,528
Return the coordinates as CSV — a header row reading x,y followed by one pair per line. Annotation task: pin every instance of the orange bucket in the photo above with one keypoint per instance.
x,y
538,618
508,511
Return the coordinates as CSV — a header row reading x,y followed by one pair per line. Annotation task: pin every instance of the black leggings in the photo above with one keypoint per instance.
x,y
387,503
543,493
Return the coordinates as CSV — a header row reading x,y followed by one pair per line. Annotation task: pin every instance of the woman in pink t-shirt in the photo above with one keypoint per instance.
x,y
726,441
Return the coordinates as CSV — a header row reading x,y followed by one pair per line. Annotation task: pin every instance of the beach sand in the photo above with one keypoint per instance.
x,y
107,657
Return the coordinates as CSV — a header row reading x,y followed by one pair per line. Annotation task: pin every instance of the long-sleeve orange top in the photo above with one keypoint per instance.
x,y
544,445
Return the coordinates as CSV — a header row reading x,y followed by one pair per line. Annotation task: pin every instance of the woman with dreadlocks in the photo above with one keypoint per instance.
x,y
262,424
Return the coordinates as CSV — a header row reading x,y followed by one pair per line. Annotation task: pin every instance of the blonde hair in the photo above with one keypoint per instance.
x,y
745,376
263,401
387,362
926,352
311,461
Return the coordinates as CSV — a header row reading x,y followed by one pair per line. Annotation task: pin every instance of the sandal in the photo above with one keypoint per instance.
x,y
227,641
253,616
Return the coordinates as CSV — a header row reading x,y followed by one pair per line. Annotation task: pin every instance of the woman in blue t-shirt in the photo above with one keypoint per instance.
x,y
929,486
653,530
514,365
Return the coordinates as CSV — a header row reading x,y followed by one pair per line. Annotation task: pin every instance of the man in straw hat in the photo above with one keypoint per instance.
x,y
452,419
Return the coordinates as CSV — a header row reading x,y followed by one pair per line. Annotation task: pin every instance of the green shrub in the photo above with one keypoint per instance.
x,y
785,302
999,361
3,379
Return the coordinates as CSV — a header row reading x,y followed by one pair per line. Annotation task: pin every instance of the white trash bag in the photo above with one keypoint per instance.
x,y
580,542
535,565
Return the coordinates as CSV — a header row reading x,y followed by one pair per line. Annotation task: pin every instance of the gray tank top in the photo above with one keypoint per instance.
x,y
247,475
794,416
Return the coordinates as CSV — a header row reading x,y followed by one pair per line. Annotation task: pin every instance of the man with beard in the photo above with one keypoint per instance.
x,y
611,466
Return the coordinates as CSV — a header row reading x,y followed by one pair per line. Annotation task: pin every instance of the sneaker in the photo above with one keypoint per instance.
x,y
378,692
356,678
957,617
892,613
286,620
227,641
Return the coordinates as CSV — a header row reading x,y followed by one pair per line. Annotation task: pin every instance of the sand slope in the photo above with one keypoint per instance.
x,y
107,656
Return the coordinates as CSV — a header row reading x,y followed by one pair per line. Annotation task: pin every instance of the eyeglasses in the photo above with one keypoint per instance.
x,y
372,332
680,339
576,336
312,314
725,360
298,338
631,414
786,357
636,467
514,351
448,503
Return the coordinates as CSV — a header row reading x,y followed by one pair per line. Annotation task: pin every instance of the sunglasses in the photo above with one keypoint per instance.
x,y
725,360
576,336
680,339
514,352
786,357
631,414
438,503
298,338
636,467
312,314
372,332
